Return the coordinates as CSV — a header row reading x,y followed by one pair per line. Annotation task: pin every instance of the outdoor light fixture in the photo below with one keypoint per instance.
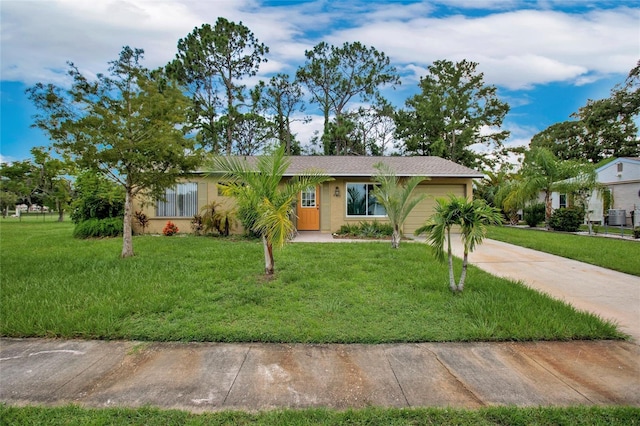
x,y
337,192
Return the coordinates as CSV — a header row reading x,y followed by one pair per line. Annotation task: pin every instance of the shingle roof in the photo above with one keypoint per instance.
x,y
363,166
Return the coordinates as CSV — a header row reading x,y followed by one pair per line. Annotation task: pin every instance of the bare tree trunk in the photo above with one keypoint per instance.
x,y
395,238
127,240
463,274
268,256
452,280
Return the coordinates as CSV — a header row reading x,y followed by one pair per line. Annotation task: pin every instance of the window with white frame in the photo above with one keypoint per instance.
x,y
308,197
362,202
179,201
563,201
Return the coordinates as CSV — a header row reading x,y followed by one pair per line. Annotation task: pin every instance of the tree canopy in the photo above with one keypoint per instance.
x,y
212,62
336,75
449,114
125,126
601,129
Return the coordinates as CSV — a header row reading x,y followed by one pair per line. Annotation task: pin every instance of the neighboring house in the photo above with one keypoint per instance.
x,y
346,199
622,177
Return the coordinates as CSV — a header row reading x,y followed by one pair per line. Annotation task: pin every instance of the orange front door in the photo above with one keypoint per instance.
x,y
308,209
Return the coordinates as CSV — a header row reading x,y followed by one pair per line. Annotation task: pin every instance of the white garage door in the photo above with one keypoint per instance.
x,y
424,209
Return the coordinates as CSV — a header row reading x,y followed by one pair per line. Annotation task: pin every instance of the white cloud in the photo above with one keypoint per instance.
x,y
515,49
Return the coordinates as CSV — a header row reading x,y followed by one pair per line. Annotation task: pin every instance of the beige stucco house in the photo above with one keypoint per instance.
x,y
345,199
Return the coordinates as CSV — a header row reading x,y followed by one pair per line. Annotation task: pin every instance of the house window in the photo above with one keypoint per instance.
x,y
563,201
362,202
620,166
179,201
308,197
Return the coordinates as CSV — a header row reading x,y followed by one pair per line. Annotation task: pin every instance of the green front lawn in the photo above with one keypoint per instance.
x,y
611,253
186,288
73,415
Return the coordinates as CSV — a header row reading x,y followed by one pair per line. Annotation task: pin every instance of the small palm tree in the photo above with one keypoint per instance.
x,y
262,189
438,229
472,217
473,220
396,198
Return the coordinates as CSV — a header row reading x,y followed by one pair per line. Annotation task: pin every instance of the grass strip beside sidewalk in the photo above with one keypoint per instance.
x,y
74,415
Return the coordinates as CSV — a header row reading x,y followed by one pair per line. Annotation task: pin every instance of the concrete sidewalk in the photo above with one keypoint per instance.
x,y
213,376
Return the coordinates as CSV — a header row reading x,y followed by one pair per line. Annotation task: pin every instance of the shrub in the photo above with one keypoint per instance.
x,y
96,198
567,220
98,228
636,232
141,219
170,229
534,214
197,224
373,229
218,220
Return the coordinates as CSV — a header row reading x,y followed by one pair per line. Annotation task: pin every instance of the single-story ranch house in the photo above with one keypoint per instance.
x,y
345,199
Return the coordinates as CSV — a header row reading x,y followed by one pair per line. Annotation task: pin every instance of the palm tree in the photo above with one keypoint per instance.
x,y
263,191
543,172
396,198
473,220
472,217
438,229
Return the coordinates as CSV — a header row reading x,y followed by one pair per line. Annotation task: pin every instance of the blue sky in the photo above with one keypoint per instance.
x,y
546,57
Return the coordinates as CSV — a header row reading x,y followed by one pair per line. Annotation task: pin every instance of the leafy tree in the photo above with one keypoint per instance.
x,y
19,180
211,60
603,128
7,199
375,127
252,133
472,217
261,189
565,141
280,98
96,197
337,75
55,187
450,113
124,126
396,197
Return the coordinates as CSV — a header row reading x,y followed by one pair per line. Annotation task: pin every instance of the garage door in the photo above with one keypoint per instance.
x,y
424,209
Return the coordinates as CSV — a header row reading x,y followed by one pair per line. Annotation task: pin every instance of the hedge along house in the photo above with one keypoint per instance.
x,y
347,199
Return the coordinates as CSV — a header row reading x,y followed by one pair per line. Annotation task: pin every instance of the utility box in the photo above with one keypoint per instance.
x,y
617,217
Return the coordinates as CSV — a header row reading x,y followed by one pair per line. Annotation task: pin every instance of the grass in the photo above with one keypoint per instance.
x,y
203,289
611,253
74,415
